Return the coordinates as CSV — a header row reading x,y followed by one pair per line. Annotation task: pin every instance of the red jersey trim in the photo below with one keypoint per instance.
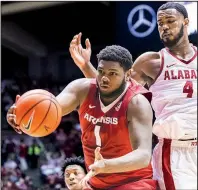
x,y
161,67
183,61
166,165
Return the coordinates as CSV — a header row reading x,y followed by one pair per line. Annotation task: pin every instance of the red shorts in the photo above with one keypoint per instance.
x,y
144,184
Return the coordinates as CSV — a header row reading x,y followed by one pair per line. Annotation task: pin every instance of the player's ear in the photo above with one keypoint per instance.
x,y
127,75
186,22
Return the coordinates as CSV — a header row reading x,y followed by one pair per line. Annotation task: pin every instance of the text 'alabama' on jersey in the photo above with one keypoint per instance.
x,y
108,129
174,97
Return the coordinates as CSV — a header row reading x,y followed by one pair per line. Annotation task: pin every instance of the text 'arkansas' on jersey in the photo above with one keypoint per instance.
x,y
105,120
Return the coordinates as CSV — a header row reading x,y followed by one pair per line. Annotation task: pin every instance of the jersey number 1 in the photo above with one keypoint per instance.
x,y
97,135
188,88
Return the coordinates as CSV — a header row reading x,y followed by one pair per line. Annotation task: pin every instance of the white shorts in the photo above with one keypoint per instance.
x,y
175,164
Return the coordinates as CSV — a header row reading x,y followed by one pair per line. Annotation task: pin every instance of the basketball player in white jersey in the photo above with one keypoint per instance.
x,y
171,75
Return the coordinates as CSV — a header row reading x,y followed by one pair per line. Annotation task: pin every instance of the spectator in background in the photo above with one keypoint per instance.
x,y
23,150
7,101
61,137
11,163
3,152
13,180
33,154
55,158
21,184
10,146
51,168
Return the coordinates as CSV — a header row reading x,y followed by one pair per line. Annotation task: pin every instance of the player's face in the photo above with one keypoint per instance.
x,y
171,26
110,78
73,175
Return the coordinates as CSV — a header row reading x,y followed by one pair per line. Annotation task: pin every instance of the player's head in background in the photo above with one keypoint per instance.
x,y
74,171
172,20
113,64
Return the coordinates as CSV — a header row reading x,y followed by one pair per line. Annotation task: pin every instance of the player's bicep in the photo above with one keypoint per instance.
x,y
138,76
140,117
71,96
144,67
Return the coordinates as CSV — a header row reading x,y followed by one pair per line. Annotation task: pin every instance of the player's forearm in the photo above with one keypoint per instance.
x,y
132,161
89,71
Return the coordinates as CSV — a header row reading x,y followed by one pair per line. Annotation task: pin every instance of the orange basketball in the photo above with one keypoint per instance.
x,y
38,113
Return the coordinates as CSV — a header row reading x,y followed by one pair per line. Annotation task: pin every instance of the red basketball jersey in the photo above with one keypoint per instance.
x,y
110,131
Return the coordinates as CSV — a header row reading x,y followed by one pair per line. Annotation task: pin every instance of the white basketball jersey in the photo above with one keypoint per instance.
x,y
175,97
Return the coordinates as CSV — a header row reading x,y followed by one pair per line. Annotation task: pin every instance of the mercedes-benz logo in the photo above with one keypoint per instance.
x,y
141,21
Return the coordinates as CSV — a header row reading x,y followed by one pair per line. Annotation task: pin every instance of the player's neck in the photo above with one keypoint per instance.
x,y
108,99
182,49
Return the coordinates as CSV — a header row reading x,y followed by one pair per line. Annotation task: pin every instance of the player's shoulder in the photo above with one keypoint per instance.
x,y
80,87
139,104
147,61
139,100
82,83
148,56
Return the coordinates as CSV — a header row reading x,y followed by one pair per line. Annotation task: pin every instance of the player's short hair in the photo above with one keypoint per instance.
x,y
118,54
73,161
172,5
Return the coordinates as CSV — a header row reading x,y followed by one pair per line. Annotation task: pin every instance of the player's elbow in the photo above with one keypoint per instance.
x,y
145,158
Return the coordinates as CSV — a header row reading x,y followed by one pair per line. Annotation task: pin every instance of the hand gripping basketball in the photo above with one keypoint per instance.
x,y
37,113
11,117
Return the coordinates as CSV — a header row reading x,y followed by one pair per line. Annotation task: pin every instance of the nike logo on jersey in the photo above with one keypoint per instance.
x,y
91,107
28,126
170,65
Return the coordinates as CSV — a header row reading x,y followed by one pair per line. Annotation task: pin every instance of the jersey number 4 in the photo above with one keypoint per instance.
x,y
188,88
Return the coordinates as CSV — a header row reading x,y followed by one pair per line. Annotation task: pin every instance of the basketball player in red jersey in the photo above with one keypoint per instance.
x,y
171,75
115,116
73,171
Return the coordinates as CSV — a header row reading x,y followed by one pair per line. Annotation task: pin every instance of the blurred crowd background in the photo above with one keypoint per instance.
x,y
35,41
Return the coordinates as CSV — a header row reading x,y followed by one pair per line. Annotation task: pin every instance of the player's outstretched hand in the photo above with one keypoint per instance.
x,y
99,164
80,55
11,117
